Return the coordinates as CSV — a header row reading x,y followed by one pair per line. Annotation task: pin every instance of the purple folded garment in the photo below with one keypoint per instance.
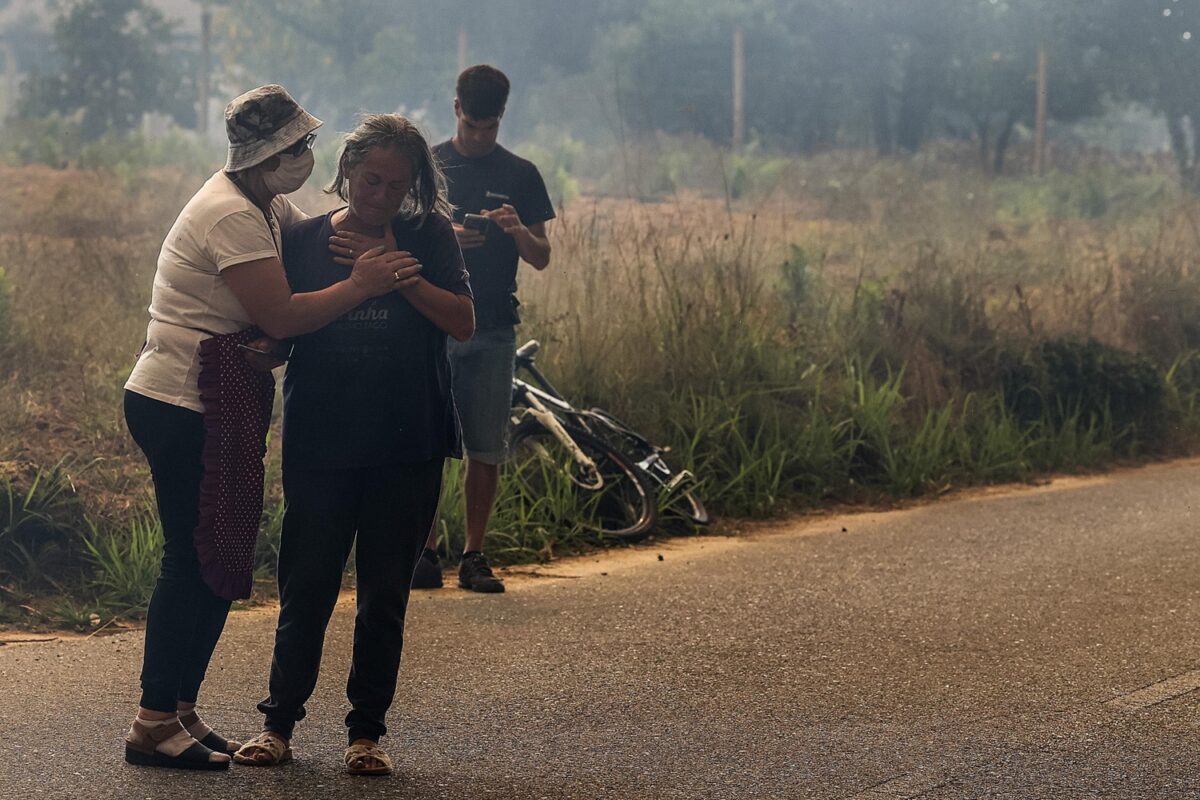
x,y
237,412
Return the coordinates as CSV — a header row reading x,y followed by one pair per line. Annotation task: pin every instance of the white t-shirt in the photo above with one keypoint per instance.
x,y
218,228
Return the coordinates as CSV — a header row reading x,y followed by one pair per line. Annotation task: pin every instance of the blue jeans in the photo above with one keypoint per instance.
x,y
481,376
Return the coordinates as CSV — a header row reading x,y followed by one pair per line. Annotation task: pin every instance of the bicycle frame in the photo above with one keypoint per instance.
x,y
547,405
535,401
543,397
540,399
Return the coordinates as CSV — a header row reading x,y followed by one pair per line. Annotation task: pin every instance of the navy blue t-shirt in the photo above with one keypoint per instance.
x,y
473,184
373,386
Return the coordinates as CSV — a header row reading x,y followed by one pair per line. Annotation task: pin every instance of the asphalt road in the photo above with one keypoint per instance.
x,y
1030,643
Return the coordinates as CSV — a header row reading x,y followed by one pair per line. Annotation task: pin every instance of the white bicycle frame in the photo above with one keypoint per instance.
x,y
536,402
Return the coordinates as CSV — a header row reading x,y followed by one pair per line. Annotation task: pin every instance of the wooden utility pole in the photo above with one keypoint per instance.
x,y
739,88
10,80
1039,124
462,48
203,86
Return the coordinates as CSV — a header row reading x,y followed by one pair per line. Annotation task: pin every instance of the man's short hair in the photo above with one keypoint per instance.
x,y
482,91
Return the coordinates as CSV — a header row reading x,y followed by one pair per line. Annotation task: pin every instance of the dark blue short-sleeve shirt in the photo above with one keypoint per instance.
x,y
373,386
476,184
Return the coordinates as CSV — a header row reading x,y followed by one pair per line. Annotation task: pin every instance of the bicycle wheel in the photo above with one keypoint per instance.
x,y
677,500
617,503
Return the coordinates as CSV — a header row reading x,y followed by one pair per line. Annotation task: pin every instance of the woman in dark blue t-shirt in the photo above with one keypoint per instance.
x,y
368,420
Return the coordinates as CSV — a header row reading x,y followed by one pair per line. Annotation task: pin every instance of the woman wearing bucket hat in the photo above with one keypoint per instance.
x,y
198,402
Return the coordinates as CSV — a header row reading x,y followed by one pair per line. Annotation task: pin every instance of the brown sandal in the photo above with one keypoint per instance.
x,y
142,750
212,740
271,745
360,755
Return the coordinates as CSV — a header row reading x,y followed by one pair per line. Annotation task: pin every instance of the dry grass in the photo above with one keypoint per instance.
x,y
689,292
791,344
676,293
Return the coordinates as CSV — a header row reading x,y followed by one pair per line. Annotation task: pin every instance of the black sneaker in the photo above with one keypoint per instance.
x,y
475,575
428,574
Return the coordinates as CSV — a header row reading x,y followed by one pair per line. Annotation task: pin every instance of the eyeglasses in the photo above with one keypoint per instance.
x,y
304,144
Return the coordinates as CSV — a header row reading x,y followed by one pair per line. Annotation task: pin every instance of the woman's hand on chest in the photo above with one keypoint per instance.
x,y
347,245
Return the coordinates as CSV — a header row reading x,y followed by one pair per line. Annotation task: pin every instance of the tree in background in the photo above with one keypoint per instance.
x,y
112,66
384,55
990,76
338,59
1152,57
671,66
825,74
819,74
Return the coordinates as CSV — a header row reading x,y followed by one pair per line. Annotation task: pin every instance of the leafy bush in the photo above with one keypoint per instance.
x,y
130,154
1072,384
797,281
749,173
57,142
875,328
556,157
53,140
1088,194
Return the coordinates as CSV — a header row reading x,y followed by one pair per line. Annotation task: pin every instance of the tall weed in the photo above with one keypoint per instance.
x,y
126,558
38,507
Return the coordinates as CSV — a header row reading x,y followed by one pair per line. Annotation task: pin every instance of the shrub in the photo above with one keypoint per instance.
x,y
752,173
131,154
555,157
56,142
1088,194
53,141
1064,383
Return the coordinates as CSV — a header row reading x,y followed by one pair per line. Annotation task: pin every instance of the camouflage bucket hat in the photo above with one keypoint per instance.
x,y
263,122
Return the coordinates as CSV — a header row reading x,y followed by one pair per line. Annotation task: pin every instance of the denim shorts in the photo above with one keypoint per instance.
x,y
481,370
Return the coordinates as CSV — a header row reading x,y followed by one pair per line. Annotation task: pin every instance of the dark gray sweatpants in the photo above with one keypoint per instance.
x,y
387,510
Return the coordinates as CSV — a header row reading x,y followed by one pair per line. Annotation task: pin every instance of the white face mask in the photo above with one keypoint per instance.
x,y
291,173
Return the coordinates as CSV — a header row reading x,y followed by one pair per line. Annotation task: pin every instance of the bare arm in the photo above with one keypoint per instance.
x,y
531,240
452,313
533,245
262,289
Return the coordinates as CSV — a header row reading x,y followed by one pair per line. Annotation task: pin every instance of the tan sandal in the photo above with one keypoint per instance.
x,y
212,740
361,754
141,748
265,750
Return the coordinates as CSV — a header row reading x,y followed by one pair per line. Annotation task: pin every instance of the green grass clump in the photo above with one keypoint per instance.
x,y
125,559
39,509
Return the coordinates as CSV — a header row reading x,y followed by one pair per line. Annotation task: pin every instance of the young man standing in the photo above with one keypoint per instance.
x,y
486,179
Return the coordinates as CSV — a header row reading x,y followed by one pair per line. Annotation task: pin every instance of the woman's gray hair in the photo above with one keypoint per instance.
x,y
428,194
